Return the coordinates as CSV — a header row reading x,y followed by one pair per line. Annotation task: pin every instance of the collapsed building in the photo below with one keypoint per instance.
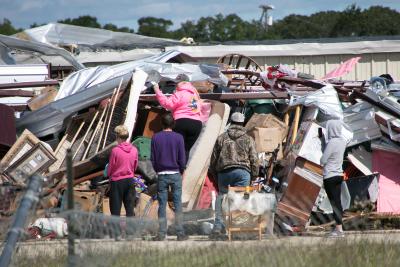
x,y
285,110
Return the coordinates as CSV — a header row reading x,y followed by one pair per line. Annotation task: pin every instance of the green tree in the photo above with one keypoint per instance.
x,y
115,28
85,21
152,26
7,28
349,23
34,25
217,28
378,20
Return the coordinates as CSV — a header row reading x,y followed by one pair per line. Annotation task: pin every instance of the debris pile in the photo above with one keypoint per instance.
x,y
43,115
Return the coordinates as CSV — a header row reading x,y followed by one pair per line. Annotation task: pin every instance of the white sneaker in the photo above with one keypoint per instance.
x,y
336,234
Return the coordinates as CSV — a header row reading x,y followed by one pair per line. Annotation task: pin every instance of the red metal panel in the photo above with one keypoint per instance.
x,y
8,133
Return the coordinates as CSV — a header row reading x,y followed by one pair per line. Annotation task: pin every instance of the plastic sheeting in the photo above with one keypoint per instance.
x,y
207,192
51,225
326,99
256,204
155,66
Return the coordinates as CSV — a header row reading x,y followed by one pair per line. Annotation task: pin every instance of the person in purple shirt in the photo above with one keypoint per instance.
x,y
169,161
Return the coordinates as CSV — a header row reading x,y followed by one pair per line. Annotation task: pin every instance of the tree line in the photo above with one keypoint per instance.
x,y
351,22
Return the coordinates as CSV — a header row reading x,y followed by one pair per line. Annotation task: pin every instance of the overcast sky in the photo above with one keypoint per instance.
x,y
23,13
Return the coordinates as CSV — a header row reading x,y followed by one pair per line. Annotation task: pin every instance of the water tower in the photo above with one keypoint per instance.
x,y
265,19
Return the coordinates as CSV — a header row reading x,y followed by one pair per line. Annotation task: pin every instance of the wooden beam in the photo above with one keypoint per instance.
x,y
28,84
296,122
112,112
6,93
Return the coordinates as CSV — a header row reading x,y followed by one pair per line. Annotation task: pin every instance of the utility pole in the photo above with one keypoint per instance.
x,y
266,20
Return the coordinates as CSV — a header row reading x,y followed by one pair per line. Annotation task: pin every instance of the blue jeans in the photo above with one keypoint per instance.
x,y
232,177
164,182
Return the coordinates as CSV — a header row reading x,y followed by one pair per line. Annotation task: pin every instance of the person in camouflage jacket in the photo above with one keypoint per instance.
x,y
235,149
234,162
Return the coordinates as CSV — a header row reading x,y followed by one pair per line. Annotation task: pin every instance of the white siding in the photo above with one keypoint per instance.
x,y
319,65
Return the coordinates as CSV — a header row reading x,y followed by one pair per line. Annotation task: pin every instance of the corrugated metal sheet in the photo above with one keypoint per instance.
x,y
24,73
319,65
360,118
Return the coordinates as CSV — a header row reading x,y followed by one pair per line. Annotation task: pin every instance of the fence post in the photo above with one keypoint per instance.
x,y
70,207
29,199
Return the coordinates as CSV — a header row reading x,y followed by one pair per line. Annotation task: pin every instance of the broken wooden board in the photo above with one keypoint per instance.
x,y
153,122
199,158
138,80
85,167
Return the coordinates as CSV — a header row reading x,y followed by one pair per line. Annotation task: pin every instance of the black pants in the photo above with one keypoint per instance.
x,y
333,190
190,130
122,191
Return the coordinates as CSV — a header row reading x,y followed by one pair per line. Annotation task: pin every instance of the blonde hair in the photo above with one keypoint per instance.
x,y
122,132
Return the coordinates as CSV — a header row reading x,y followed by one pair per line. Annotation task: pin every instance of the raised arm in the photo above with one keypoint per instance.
x,y
169,103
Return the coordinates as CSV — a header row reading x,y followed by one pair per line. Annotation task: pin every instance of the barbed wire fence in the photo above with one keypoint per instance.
x,y
298,239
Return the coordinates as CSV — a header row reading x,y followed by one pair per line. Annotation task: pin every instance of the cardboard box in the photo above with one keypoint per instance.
x,y
267,139
148,208
86,201
106,207
266,121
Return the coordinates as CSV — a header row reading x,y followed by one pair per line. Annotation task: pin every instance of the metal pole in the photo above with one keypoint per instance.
x,y
70,207
29,199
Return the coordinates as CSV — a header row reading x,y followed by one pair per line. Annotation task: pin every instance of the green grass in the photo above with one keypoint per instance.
x,y
341,254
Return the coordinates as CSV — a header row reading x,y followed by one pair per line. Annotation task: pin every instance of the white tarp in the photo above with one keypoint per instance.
x,y
326,99
155,66
256,204
51,225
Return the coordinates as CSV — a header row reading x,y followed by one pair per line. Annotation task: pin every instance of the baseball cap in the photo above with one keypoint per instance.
x,y
237,117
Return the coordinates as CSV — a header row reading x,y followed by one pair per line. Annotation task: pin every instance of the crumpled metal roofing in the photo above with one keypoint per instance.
x,y
87,87
92,38
9,44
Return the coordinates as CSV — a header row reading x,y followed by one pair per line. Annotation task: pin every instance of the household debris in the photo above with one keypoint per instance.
x,y
80,112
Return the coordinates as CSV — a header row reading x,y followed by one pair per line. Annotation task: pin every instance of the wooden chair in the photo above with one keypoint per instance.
x,y
231,227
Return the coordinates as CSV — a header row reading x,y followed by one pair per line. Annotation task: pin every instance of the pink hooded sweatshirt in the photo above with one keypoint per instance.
x,y
123,162
184,103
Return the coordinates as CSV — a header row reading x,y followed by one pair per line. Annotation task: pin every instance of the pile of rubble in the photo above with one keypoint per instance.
x,y
286,113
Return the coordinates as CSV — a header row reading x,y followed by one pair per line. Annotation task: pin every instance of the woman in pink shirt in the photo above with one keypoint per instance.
x,y
121,169
185,105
